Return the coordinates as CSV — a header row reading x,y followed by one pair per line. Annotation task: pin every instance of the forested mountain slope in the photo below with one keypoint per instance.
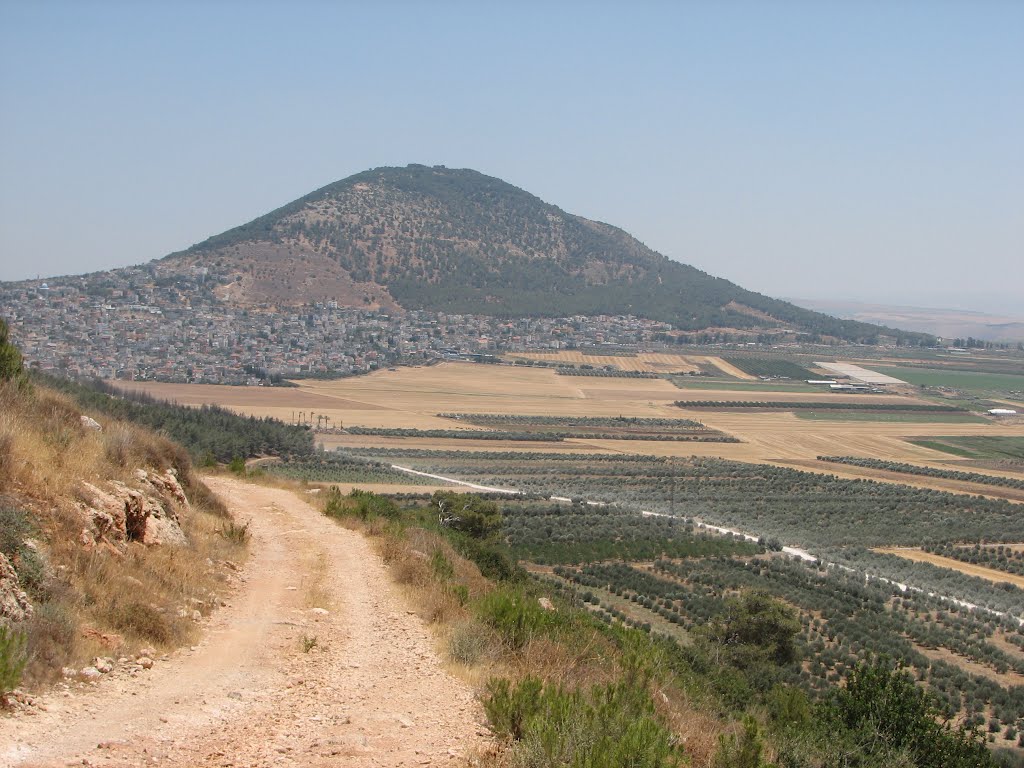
x,y
459,241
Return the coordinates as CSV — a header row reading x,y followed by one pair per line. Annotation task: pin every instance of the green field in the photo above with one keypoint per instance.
x,y
707,382
965,380
975,447
897,416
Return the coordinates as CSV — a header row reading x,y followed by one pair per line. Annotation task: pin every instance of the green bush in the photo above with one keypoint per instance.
x,y
516,617
742,750
491,557
11,367
13,657
610,725
882,703
52,638
14,529
370,505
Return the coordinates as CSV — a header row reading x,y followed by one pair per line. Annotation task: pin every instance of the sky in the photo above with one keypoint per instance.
x,y
863,150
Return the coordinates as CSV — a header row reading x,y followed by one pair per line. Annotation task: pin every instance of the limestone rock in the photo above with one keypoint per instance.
x,y
545,603
105,512
126,514
166,484
14,603
90,423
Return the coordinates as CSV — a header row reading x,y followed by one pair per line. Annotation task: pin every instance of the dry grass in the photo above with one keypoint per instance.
x,y
104,599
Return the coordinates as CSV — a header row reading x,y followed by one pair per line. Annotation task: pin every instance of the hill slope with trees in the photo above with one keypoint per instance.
x,y
458,241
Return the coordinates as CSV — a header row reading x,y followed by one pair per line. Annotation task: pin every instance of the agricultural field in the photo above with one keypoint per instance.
x,y
641,362
813,511
668,571
771,367
972,663
912,469
997,557
732,385
594,427
903,417
966,380
411,398
977,447
339,468
869,405
668,576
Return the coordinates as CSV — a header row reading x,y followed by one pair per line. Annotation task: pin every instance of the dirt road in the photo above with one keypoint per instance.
x,y
369,692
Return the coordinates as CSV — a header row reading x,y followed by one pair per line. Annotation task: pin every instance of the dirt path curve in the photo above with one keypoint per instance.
x,y
372,692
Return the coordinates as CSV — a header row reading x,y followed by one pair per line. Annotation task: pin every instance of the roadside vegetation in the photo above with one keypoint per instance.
x,y
78,592
574,667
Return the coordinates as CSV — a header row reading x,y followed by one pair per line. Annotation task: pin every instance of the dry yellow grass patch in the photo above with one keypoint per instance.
x,y
103,599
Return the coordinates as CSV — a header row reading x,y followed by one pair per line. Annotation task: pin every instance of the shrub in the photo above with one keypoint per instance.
x,y
469,642
51,637
609,725
236,533
369,505
740,751
516,617
13,657
441,565
141,620
14,529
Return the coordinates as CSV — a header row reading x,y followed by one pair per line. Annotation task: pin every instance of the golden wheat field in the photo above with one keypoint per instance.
x,y
411,397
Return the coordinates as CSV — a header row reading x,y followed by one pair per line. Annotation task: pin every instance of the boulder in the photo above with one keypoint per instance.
x,y
166,484
104,512
126,514
90,673
90,423
15,606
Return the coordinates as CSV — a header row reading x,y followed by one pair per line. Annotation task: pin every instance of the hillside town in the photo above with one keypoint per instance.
x,y
149,323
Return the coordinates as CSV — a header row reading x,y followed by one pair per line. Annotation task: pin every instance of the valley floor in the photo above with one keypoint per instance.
x,y
316,662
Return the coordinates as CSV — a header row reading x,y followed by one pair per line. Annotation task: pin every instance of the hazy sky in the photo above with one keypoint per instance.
x,y
867,150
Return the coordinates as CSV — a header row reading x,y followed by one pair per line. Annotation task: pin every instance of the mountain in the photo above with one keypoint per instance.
x,y
458,241
948,323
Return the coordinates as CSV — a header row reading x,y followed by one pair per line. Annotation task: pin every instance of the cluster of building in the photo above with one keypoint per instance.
x,y
149,323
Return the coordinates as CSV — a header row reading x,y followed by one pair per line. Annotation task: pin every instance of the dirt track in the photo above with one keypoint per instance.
x,y
371,692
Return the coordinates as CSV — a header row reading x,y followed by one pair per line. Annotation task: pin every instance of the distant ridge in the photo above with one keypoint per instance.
x,y
458,241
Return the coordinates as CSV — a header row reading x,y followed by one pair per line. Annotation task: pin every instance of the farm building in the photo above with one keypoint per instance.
x,y
1001,412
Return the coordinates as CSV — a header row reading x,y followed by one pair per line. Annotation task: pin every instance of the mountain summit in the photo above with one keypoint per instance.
x,y
458,241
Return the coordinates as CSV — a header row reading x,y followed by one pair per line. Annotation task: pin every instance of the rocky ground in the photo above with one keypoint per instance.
x,y
315,661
